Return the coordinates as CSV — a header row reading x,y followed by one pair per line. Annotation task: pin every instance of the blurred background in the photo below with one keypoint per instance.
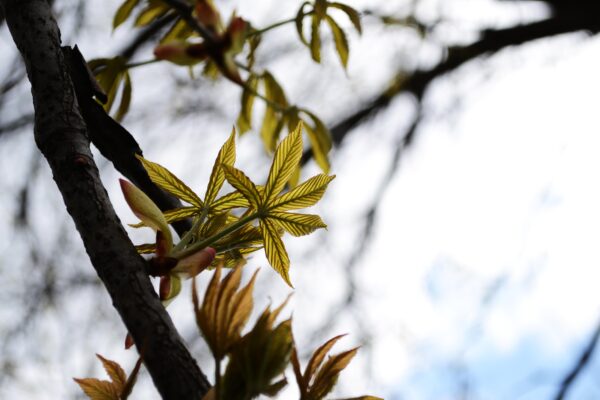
x,y
463,225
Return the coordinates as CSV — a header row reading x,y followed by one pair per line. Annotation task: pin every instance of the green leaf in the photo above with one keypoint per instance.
x,y
340,40
226,156
352,14
315,38
320,140
299,22
275,250
180,213
286,159
153,11
305,195
244,121
243,184
229,201
169,182
145,209
180,31
125,97
297,224
272,123
124,12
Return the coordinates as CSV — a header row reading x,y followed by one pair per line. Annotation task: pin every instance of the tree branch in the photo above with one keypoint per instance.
x,y
577,18
60,134
579,366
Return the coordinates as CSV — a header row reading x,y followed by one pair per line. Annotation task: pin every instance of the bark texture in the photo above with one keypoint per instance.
x,y
60,133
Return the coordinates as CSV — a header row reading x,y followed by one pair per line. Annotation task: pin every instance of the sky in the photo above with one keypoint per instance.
x,y
480,281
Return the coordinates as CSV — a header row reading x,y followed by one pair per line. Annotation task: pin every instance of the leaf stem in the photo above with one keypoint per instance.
x,y
275,25
217,379
141,63
194,247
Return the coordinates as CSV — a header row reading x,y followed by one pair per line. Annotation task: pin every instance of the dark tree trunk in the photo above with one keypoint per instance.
x,y
60,134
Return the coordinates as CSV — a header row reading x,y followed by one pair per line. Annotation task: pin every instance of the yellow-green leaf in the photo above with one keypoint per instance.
x,y
229,201
178,32
180,213
352,14
286,159
114,371
297,224
305,195
96,389
145,209
340,40
244,121
272,122
169,182
275,250
147,248
125,97
315,38
320,140
124,12
226,156
299,22
153,11
243,184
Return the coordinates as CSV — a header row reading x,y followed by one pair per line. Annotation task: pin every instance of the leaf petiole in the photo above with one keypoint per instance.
x,y
194,247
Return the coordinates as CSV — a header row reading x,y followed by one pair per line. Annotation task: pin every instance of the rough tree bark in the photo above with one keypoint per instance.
x,y
60,134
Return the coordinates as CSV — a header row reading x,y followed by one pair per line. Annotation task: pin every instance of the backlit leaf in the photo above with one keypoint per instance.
x,y
96,389
297,224
148,248
286,158
340,40
229,201
226,156
299,22
125,97
244,121
275,250
114,371
328,374
243,184
315,38
352,14
145,209
169,182
304,195
272,122
320,140
180,213
124,12
154,10
318,356
179,31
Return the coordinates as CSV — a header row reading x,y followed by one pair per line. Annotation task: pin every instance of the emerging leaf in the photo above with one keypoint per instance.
x,y
259,357
145,209
96,389
169,182
224,311
340,40
124,12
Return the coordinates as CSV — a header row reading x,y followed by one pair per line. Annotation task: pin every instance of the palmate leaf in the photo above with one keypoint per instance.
x,y
320,140
340,40
97,389
169,182
286,159
243,184
180,213
224,311
244,121
297,224
231,200
124,12
226,156
114,371
304,195
352,14
275,250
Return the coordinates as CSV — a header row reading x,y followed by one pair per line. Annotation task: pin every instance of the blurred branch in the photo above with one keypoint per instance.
x,y
577,18
146,34
579,366
60,133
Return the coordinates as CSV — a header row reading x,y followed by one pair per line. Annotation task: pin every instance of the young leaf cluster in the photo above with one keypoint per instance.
x,y
262,211
318,14
257,360
118,388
